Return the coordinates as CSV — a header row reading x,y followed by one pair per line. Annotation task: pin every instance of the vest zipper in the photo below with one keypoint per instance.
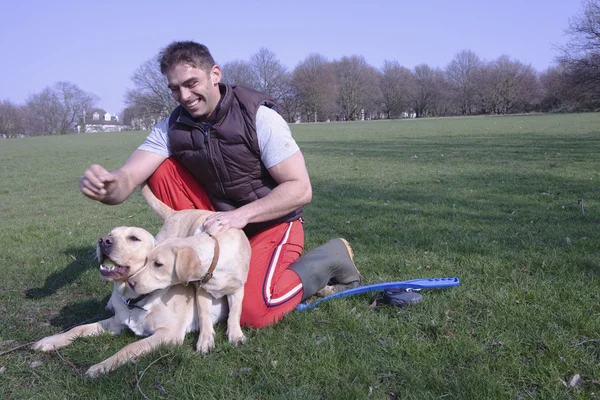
x,y
206,132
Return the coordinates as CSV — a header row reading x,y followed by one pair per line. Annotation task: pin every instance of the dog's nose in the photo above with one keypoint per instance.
x,y
105,241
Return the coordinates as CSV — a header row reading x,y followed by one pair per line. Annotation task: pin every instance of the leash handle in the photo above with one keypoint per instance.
x,y
426,283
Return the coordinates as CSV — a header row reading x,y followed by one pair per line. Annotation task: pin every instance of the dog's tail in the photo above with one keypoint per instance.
x,y
163,210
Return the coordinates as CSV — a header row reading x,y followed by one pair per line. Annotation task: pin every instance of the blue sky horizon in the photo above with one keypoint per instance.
x,y
99,45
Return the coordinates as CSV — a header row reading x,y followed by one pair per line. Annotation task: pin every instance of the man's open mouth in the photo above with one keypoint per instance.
x,y
194,104
112,271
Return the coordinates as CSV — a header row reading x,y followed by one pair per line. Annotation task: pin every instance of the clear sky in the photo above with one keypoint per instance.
x,y
98,44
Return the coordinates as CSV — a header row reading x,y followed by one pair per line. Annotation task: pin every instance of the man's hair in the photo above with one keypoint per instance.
x,y
187,52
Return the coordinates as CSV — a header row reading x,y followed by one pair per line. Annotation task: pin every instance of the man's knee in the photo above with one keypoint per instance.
x,y
166,171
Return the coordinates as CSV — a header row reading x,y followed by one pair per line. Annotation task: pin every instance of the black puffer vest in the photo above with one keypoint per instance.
x,y
223,154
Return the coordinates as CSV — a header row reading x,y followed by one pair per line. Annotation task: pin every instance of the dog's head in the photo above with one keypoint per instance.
x,y
171,262
123,252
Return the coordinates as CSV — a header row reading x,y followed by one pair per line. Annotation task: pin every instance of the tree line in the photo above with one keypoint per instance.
x,y
55,110
350,89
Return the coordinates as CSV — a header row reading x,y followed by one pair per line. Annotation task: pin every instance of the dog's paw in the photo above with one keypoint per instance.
x,y
96,370
236,337
237,341
206,342
50,343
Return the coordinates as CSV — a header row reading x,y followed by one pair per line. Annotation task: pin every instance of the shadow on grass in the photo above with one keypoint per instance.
x,y
83,312
514,216
83,261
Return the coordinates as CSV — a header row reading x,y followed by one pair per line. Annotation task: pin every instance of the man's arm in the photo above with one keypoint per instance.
x,y
116,186
294,191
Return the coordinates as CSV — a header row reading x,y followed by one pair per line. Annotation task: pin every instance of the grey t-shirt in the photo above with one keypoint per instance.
x,y
274,138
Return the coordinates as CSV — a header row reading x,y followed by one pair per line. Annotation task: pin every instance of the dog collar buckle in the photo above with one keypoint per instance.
x,y
132,303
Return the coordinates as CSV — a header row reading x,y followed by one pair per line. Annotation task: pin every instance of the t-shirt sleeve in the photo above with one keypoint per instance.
x,y
157,141
274,137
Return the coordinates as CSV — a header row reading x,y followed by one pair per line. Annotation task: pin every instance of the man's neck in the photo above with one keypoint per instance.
x,y
212,116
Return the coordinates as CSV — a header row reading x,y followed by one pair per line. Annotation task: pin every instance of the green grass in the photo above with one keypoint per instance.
x,y
493,201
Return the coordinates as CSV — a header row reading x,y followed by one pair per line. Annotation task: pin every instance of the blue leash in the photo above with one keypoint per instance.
x,y
415,284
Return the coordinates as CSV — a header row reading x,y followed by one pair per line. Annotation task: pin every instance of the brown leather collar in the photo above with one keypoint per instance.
x,y
213,264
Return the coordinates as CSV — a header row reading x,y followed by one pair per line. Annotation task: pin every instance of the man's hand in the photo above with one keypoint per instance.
x,y
116,186
222,221
96,182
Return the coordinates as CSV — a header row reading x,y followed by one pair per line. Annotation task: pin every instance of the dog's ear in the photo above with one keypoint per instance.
x,y
186,263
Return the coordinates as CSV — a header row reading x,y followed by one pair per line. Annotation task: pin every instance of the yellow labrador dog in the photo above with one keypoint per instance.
x,y
165,316
217,265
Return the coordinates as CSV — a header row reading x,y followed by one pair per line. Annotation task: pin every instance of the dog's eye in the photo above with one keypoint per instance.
x,y
158,264
134,239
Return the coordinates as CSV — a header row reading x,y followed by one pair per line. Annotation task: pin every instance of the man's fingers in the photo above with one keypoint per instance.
x,y
90,193
215,224
90,180
100,174
213,229
94,180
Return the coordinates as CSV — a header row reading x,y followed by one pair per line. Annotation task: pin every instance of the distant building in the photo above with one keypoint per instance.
x,y
99,120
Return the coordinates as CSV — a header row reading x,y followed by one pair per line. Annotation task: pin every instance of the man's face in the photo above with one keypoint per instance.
x,y
197,91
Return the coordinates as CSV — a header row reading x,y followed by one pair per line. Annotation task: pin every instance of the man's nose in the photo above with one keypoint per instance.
x,y
184,94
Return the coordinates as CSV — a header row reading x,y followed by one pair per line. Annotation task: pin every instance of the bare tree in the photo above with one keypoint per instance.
x,y
150,96
373,96
506,86
12,119
43,111
427,89
461,76
581,56
518,85
397,84
315,83
358,85
58,109
289,103
268,74
238,73
554,90
74,102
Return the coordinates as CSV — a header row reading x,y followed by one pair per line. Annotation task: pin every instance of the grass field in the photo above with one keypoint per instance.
x,y
510,205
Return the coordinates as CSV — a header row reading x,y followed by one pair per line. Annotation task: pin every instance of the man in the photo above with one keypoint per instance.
x,y
225,149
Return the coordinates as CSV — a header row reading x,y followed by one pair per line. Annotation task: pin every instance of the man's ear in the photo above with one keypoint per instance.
x,y
186,263
216,74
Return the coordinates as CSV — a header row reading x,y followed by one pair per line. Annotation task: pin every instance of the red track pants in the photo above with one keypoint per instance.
x,y
272,290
